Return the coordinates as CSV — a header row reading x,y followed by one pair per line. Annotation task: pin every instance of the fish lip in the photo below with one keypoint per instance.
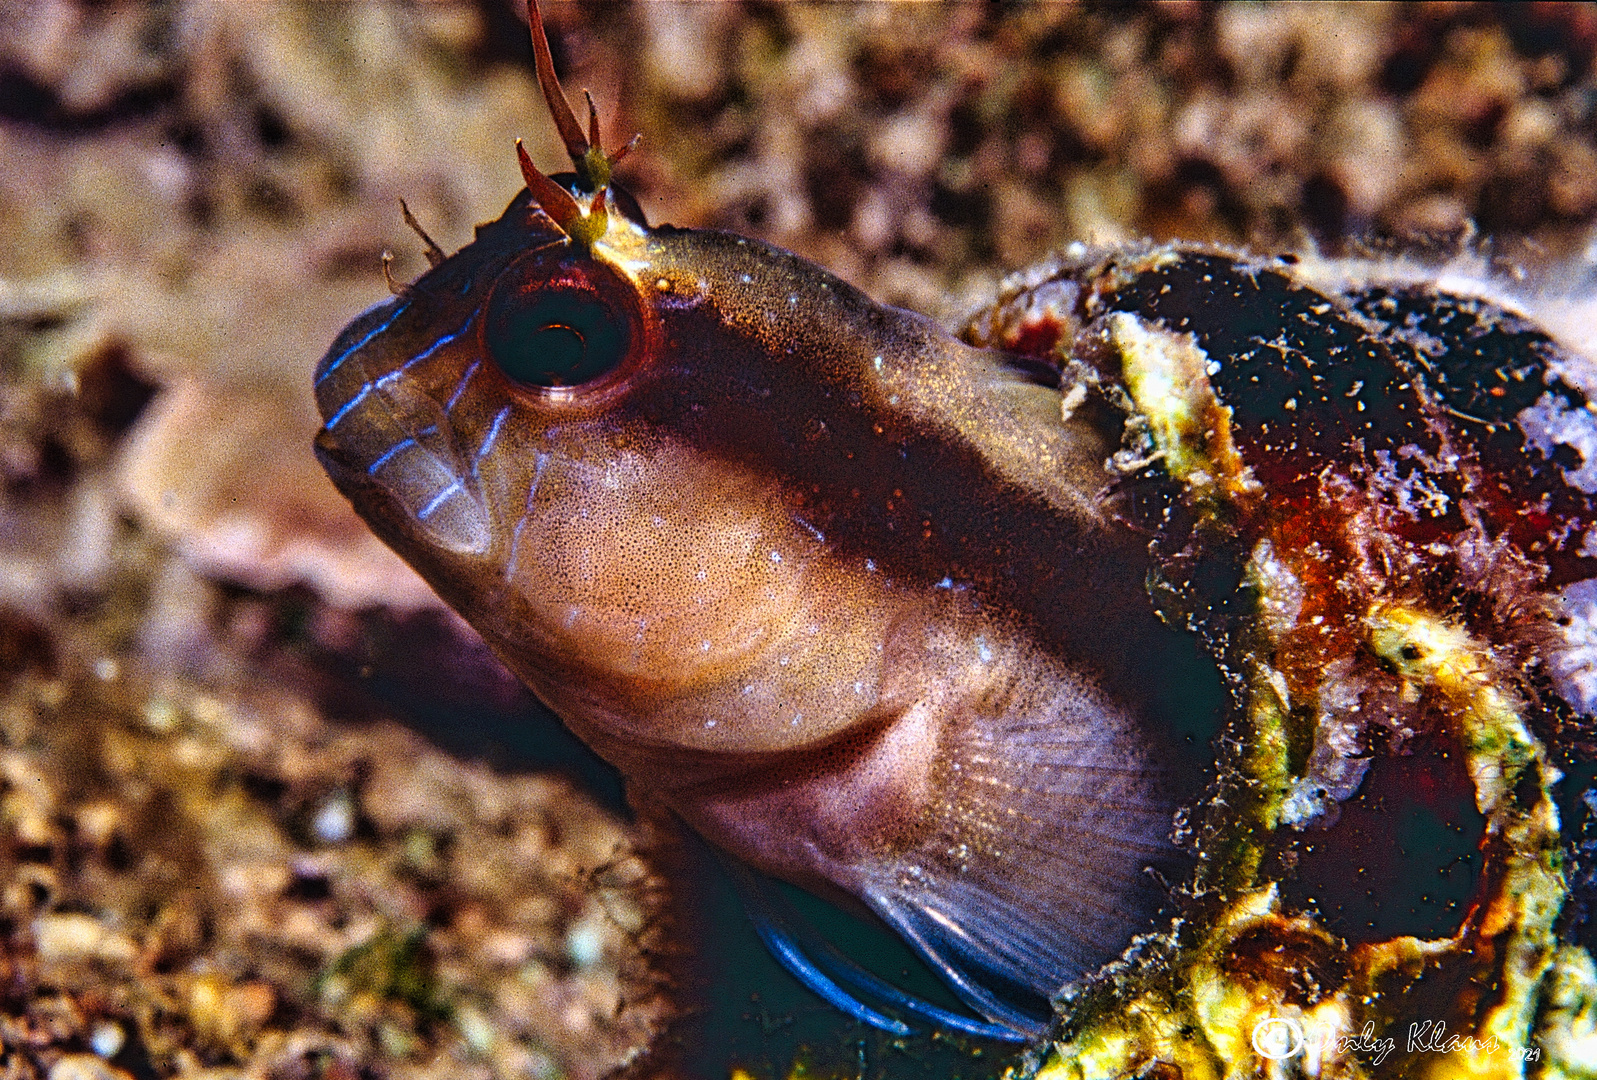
x,y
350,479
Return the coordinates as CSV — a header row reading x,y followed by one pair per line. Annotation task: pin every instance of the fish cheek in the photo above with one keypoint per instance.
x,y
646,589
652,571
668,599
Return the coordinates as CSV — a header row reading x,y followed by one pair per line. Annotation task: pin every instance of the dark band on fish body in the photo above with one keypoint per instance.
x,y
886,483
877,482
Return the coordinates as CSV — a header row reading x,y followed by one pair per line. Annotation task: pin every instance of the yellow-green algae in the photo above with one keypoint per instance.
x,y
1178,1008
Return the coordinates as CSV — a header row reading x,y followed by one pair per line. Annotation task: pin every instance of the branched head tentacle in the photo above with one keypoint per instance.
x,y
555,200
559,107
593,165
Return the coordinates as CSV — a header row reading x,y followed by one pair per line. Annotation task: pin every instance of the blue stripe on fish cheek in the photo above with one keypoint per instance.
x,y
334,362
401,438
489,440
444,506
460,387
540,463
348,407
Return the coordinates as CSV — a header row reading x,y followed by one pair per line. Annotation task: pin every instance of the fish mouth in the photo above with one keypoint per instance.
x,y
380,429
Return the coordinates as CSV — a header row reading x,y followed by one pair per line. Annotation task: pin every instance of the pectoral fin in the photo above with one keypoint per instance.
x,y
1050,855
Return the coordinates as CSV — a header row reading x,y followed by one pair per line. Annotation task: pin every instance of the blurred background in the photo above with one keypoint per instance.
x,y
265,809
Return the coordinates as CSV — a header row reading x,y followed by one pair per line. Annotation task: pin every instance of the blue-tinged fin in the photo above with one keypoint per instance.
x,y
1049,854
811,959
782,943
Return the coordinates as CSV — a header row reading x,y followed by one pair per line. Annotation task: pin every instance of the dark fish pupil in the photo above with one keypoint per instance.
x,y
562,347
555,338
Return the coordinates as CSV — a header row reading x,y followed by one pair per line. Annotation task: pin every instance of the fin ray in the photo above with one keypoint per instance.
x,y
780,941
801,942
1036,870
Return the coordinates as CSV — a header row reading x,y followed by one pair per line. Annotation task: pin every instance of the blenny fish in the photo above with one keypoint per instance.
x,y
924,622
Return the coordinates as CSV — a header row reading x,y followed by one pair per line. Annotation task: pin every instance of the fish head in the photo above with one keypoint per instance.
x,y
624,453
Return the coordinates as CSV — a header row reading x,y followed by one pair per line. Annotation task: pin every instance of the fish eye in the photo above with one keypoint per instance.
x,y
557,327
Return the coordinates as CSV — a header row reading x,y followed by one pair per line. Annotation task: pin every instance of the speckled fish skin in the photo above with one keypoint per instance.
x,y
847,594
